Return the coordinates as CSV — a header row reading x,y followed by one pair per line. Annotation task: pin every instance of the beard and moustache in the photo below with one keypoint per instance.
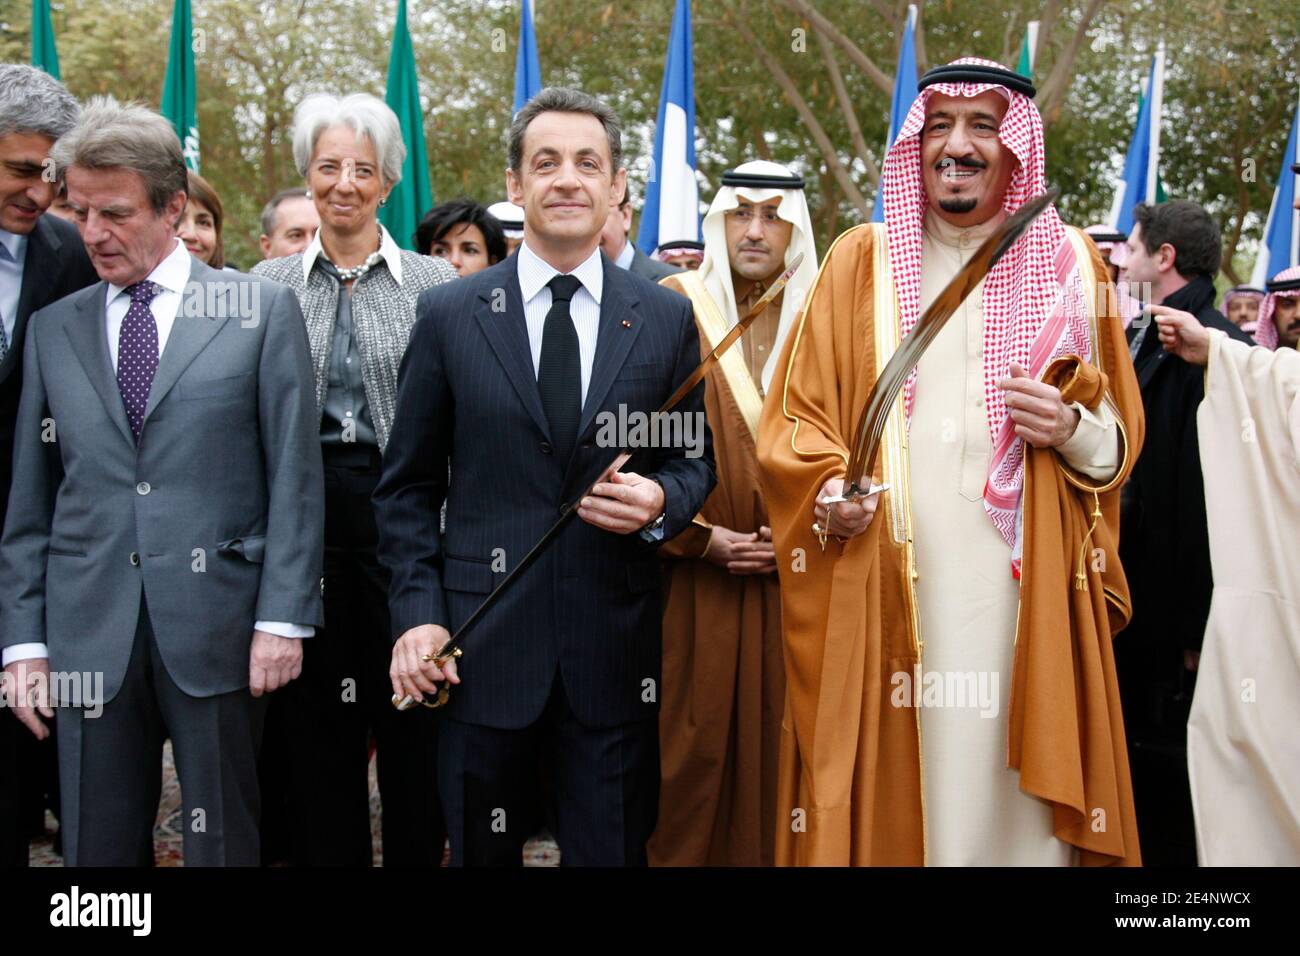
x,y
960,204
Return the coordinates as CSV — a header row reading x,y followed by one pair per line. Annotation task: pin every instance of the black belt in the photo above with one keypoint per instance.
x,y
351,455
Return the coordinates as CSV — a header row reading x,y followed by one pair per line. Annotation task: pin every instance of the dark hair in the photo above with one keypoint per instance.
x,y
269,210
442,217
201,191
559,99
1197,242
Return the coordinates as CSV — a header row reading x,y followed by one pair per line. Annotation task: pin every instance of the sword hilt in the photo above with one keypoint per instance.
x,y
444,692
854,493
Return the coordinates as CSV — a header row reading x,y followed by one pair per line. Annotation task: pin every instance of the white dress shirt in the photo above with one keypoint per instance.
x,y
584,309
171,275
389,251
624,260
12,259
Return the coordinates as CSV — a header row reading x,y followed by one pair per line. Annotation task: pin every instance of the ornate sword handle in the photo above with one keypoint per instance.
x,y
851,493
444,692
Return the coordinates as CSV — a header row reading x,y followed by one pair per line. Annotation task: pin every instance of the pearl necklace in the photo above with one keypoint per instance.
x,y
356,272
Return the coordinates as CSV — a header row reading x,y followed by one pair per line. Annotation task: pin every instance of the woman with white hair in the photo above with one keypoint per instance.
x,y
358,292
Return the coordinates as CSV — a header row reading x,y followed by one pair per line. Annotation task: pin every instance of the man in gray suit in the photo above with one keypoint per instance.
x,y
619,249
164,540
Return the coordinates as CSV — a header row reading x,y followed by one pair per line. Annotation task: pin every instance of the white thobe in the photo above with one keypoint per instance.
x,y
1243,742
967,598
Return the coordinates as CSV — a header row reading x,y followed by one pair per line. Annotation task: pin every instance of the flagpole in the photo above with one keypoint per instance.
x,y
672,208
1265,266
901,98
1157,94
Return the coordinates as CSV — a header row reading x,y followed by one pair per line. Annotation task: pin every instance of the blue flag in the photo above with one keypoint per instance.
x,y
672,199
1141,179
1281,246
904,93
528,69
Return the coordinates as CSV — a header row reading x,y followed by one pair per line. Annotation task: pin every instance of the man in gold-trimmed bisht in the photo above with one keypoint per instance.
x,y
951,687
723,677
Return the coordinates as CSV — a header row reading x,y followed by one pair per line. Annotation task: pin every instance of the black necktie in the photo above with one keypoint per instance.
x,y
559,372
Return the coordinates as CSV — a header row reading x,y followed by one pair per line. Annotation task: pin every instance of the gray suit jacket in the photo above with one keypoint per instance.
x,y
648,268
216,516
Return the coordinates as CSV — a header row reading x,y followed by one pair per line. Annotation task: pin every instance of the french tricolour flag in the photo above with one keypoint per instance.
x,y
528,69
904,94
1142,163
1281,247
672,200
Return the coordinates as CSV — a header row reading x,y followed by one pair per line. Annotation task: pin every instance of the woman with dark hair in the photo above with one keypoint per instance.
x,y
464,233
200,227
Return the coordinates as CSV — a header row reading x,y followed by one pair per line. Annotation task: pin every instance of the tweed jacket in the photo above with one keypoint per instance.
x,y
383,312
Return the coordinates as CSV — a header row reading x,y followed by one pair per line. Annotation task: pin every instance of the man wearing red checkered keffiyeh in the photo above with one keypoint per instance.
x,y
993,547
1279,314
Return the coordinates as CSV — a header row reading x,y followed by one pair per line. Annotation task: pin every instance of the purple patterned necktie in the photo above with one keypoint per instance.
x,y
137,353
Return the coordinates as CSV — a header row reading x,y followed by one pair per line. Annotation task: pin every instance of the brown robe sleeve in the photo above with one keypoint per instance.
x,y
849,787
1066,728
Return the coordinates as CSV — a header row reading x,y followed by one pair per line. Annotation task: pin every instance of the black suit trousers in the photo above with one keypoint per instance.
x,y
324,720
604,785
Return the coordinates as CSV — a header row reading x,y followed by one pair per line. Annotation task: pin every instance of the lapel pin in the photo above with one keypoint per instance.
x,y
627,324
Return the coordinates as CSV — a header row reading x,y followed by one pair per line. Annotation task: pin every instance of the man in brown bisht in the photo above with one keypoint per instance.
x,y
723,676
951,687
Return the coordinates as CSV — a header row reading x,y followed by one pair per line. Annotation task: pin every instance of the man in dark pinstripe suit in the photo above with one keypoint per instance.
x,y
508,375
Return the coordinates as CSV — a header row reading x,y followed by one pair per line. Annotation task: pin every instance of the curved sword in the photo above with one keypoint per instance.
x,y
452,648
871,422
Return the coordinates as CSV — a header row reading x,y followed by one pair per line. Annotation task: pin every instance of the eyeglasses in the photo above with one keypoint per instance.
x,y
745,214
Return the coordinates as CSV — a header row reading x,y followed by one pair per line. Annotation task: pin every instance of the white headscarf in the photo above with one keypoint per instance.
x,y
510,216
715,270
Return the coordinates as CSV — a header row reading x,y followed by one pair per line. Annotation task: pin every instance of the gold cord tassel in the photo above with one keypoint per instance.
x,y
1080,576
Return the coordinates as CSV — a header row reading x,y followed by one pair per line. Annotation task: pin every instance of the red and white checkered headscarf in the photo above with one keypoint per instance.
x,y
1034,298
1266,329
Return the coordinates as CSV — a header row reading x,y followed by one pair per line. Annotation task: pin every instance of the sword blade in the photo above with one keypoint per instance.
x,y
871,422
617,464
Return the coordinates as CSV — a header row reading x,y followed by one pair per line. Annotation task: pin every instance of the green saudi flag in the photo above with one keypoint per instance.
x,y
1026,65
45,55
412,197
178,85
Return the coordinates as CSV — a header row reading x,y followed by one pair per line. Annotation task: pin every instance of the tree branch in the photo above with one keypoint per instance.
x,y
1046,21
859,58
1052,93
808,118
846,107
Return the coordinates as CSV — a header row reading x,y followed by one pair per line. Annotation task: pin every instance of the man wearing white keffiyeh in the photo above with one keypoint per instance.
x,y
1004,456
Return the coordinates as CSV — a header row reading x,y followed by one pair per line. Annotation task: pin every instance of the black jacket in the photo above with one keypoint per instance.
x,y
56,265
1164,542
648,268
590,607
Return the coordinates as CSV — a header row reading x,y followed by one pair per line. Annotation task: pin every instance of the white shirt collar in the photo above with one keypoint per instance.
x,y
624,260
535,272
14,243
172,273
389,251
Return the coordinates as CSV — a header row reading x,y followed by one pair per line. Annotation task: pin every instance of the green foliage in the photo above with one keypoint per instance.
x,y
1233,78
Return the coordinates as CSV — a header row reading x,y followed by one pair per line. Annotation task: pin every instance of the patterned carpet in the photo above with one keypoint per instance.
x,y
540,851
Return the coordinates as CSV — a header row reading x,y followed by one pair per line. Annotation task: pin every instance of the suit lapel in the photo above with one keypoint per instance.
x,y
620,324
614,340
39,270
507,334
192,330
88,332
